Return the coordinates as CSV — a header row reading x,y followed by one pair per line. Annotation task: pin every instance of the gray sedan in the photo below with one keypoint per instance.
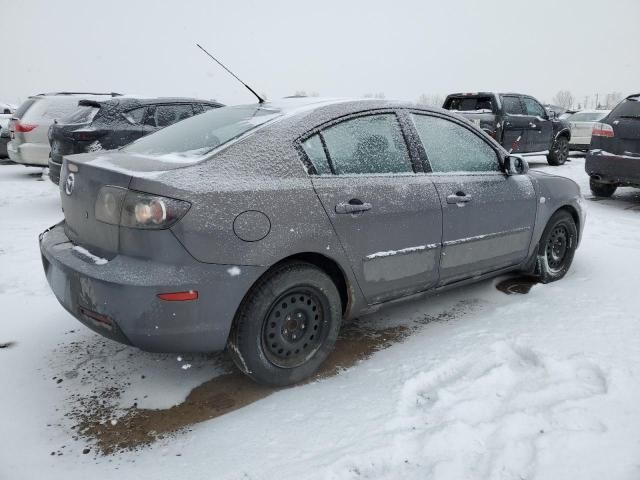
x,y
259,228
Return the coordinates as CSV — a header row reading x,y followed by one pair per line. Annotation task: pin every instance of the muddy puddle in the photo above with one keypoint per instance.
x,y
109,430
517,285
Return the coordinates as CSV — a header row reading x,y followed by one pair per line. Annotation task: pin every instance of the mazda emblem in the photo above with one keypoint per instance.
x,y
69,184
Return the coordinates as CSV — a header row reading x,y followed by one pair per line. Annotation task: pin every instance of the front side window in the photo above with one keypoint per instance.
x,y
534,108
453,148
512,106
367,145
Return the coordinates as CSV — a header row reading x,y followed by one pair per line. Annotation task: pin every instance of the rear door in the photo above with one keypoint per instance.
x,y
539,129
387,217
514,124
488,217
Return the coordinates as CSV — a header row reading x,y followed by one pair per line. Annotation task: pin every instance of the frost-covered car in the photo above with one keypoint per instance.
x,y
110,124
261,227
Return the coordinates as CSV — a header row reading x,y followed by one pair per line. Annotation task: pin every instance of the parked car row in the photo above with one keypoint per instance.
x,y
47,126
6,111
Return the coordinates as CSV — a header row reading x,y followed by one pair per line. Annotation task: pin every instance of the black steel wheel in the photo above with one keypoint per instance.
x,y
559,151
557,247
287,325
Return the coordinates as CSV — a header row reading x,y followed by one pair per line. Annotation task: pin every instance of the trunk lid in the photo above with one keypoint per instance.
x,y
81,178
625,120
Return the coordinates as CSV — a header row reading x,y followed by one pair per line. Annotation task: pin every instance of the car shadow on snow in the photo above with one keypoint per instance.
x,y
100,382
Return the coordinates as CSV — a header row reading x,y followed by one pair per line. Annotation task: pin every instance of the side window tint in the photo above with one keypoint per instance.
x,y
512,106
534,108
453,148
314,150
370,144
169,114
135,116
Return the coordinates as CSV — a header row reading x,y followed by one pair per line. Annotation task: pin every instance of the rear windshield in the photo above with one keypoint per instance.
x,y
23,108
202,133
81,115
470,104
51,108
629,107
587,116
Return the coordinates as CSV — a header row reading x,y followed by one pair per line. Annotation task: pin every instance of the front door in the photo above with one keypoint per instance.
x,y
539,129
487,216
387,217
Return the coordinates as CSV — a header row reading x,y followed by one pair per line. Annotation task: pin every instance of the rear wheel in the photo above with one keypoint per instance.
x,y
557,247
287,325
602,189
559,151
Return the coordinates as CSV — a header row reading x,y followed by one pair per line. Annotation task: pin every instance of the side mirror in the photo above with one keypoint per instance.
x,y
515,165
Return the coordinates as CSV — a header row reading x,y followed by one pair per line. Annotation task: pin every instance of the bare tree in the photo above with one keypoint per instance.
x,y
300,93
430,100
612,99
563,99
378,95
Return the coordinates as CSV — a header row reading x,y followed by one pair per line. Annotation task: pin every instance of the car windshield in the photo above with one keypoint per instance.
x,y
24,107
81,115
50,108
199,135
587,116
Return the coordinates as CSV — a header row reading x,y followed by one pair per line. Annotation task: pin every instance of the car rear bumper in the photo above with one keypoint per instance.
x,y
119,298
54,171
32,154
609,168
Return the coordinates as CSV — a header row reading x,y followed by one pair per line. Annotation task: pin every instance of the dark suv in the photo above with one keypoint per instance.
x,y
614,155
111,124
518,122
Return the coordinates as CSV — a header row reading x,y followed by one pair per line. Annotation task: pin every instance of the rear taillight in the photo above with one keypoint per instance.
x,y
24,127
119,206
602,130
86,135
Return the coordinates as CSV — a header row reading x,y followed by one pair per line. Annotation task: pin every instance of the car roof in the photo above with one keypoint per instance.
x,y
133,102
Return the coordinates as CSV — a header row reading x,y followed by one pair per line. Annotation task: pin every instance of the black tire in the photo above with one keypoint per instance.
x,y
557,247
602,189
287,325
559,151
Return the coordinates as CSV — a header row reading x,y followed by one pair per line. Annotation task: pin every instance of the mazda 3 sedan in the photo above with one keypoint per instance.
x,y
260,228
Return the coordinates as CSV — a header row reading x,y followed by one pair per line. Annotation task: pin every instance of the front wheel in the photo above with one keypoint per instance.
x,y
559,151
287,325
557,247
602,189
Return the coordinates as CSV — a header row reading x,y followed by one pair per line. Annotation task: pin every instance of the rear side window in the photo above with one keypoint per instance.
x,y
629,107
470,104
135,116
512,106
534,108
166,115
453,148
365,145
316,154
23,108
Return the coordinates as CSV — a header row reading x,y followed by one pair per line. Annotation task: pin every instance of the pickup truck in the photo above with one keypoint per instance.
x,y
518,122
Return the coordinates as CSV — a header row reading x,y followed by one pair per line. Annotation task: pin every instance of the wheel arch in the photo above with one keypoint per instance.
x,y
564,132
574,214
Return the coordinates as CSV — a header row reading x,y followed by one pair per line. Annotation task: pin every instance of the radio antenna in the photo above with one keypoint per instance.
x,y
260,99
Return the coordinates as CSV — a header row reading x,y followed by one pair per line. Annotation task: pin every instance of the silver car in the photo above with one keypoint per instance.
x,y
30,124
582,123
259,228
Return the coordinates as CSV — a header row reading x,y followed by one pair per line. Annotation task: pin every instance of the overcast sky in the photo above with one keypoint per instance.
x,y
336,48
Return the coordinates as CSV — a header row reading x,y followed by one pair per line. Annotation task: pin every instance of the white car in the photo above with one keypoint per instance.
x,y
581,126
29,126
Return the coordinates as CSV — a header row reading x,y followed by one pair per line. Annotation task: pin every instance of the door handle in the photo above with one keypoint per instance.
x,y
532,125
459,197
352,206
508,124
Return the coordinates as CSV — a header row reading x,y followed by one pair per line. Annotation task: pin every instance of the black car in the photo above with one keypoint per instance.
x,y
518,122
111,124
614,154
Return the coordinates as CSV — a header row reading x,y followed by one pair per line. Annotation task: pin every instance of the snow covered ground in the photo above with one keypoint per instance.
x,y
471,384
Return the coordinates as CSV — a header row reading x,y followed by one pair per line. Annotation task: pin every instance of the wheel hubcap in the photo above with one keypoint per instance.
x,y
293,329
557,247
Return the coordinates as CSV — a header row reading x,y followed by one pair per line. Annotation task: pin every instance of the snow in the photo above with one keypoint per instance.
x,y
234,271
389,253
486,385
86,253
